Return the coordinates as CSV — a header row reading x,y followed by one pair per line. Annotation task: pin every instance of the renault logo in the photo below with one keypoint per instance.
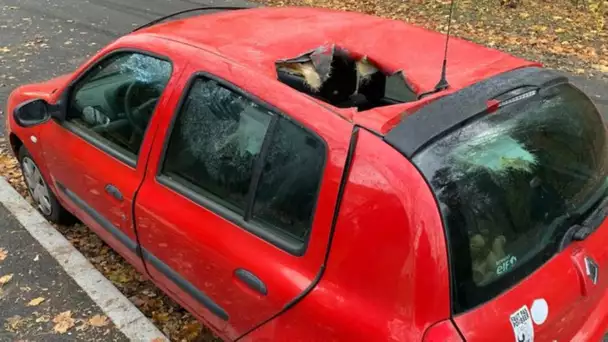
x,y
592,270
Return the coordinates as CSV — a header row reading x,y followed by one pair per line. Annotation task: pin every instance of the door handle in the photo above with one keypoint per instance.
x,y
251,280
114,192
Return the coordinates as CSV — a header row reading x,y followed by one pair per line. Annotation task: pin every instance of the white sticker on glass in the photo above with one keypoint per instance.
x,y
521,321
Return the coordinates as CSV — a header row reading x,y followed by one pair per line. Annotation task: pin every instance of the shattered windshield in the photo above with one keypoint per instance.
x,y
505,181
144,68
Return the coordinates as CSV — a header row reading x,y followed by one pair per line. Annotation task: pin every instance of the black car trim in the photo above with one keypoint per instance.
x,y
283,241
207,8
163,268
453,111
183,284
104,145
348,163
95,215
448,113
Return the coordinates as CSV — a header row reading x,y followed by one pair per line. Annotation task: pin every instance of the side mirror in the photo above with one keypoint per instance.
x,y
32,113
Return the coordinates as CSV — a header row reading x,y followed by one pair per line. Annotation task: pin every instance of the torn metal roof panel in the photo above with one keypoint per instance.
x,y
258,38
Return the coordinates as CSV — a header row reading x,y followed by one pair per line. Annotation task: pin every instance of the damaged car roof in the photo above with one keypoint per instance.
x,y
258,37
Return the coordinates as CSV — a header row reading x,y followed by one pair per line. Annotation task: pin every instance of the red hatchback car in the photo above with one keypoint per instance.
x,y
294,174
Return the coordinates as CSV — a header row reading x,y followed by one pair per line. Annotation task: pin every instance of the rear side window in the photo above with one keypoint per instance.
x,y
511,183
237,153
290,179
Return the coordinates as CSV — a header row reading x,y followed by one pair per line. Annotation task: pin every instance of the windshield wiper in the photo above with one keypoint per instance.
x,y
580,231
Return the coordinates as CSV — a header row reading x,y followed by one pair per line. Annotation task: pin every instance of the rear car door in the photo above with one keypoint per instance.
x,y
523,195
97,156
236,221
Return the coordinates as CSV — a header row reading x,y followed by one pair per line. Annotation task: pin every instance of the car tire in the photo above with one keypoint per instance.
x,y
44,200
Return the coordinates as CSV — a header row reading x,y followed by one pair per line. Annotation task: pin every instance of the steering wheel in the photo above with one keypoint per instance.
x,y
133,113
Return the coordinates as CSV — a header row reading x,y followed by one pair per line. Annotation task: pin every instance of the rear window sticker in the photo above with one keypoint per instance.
x,y
521,321
540,311
505,264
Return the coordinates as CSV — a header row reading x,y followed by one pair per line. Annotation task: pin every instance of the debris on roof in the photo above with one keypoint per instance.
x,y
342,79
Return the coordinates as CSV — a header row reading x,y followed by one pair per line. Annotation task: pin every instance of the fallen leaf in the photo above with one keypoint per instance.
x,y
63,322
37,257
43,319
98,321
601,67
36,301
4,49
5,279
3,254
160,316
82,327
14,322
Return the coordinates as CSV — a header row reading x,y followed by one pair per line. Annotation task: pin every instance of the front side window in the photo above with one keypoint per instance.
x,y
117,97
511,183
235,152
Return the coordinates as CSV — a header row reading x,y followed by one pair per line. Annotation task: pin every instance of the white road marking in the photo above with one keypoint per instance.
x,y
127,318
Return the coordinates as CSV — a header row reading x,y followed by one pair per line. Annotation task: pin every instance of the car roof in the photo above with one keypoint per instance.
x,y
258,37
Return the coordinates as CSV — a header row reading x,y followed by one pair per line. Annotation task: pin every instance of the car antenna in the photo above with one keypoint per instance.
x,y
196,9
443,81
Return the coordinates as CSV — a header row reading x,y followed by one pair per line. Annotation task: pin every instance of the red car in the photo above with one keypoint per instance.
x,y
294,174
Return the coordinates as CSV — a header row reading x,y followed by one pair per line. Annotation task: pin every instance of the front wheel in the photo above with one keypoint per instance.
x,y
43,197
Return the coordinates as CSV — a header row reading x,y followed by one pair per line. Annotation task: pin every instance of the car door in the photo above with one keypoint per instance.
x,y
236,221
97,155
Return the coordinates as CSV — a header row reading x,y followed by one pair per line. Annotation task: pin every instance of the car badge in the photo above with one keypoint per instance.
x,y
593,270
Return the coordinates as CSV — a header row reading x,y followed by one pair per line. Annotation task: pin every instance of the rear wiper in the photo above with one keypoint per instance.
x,y
579,232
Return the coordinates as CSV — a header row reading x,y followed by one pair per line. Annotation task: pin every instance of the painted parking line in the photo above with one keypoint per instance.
x,y
127,318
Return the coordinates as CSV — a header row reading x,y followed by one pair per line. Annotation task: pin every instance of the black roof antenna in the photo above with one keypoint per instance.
x,y
208,8
443,82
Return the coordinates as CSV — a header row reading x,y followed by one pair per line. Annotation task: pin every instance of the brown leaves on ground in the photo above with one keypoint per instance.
x,y
562,34
14,323
98,321
63,322
9,168
3,254
172,319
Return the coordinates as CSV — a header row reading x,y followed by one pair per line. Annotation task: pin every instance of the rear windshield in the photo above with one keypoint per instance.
x,y
508,184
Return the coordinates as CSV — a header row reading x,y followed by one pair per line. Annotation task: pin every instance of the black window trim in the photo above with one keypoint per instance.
x,y
113,150
262,230
496,289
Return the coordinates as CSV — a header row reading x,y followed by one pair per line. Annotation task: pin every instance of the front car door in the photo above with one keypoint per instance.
x,y
236,222
97,156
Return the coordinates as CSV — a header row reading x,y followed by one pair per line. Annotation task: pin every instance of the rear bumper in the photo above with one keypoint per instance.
x,y
596,327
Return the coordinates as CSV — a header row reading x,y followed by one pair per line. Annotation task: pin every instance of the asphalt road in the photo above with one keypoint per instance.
x,y
35,274
40,39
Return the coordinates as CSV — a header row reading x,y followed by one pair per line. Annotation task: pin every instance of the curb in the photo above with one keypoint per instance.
x,y
125,316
